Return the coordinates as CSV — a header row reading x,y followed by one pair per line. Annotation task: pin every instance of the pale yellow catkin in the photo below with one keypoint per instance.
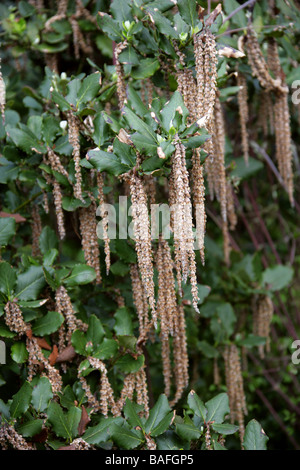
x,y
243,113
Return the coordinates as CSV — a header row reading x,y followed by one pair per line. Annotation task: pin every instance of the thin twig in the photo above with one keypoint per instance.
x,y
241,7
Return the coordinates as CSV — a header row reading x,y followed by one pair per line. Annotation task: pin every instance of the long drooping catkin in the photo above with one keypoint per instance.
x,y
188,88
235,387
140,301
277,86
180,355
142,236
8,435
89,239
36,359
181,208
121,85
262,316
206,74
57,196
243,113
104,215
65,307
73,126
14,318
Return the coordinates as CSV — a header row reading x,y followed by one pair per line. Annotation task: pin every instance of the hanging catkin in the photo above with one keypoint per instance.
x,y
121,85
262,316
277,85
37,359
14,318
65,307
181,208
140,301
188,88
57,196
89,239
73,125
142,237
8,435
243,113
180,355
206,74
235,387
166,307
104,215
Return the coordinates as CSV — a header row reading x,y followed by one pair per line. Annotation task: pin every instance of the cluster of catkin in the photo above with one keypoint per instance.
x,y
54,162
272,80
121,84
172,325
64,306
235,387
89,239
262,316
188,88
182,222
142,236
133,383
210,116
9,436
36,360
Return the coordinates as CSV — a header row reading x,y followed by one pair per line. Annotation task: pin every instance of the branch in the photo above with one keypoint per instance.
x,y
241,7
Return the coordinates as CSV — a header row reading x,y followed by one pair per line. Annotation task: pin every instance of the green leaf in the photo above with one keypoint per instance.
x,y
64,424
95,332
217,408
99,433
131,414
123,323
79,341
139,125
41,394
107,349
162,23
244,171
47,240
21,400
61,101
145,69
25,9
125,438
89,88
19,352
30,283
278,277
197,405
188,430
225,429
31,428
163,425
25,139
108,25
7,229
129,364
8,278
168,112
47,324
160,410
255,437
105,161
187,9
252,341
81,274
